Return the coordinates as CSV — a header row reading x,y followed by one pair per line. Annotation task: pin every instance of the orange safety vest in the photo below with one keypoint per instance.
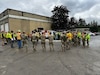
x,y
18,36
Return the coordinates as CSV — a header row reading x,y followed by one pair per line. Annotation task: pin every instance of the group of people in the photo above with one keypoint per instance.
x,y
11,37
68,39
74,38
22,39
42,36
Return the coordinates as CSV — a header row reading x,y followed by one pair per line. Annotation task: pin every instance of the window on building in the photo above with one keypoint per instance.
x,y
2,27
6,27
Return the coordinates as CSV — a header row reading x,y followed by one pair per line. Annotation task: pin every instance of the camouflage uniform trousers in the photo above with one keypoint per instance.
x,y
34,42
68,44
37,39
51,45
25,44
75,41
43,45
63,45
3,41
79,40
87,41
83,42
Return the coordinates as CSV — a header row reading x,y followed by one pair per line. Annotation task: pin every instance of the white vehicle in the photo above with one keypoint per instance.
x,y
52,32
91,34
47,32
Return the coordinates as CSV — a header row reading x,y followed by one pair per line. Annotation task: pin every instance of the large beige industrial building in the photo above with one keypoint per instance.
x,y
18,20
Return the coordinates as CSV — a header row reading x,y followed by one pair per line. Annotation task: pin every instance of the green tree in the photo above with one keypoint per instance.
x,y
94,28
72,23
60,18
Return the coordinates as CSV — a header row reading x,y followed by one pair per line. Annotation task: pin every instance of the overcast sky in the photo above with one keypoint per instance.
x,y
87,9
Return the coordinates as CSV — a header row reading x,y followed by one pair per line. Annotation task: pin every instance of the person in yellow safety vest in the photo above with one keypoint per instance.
x,y
12,38
8,36
69,36
79,35
69,39
15,36
87,39
5,35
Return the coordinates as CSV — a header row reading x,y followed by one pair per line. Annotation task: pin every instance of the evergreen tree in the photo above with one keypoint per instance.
x,y
94,27
60,18
82,23
72,23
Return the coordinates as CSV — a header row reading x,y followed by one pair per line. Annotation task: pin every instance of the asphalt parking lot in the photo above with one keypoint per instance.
x,y
77,61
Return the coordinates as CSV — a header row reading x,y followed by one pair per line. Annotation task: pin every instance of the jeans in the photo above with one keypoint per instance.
x,y
19,43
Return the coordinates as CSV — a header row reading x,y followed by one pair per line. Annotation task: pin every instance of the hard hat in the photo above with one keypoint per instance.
x,y
19,30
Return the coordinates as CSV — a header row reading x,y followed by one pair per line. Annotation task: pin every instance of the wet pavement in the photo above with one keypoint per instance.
x,y
77,61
